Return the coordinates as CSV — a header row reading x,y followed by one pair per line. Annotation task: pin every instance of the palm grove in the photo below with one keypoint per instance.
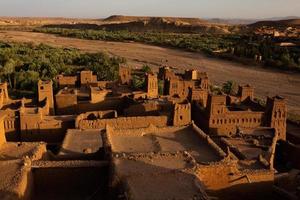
x,y
22,65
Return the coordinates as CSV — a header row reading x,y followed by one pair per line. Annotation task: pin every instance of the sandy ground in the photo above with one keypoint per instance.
x,y
266,82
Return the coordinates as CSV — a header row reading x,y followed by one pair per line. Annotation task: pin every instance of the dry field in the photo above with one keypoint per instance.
x,y
266,82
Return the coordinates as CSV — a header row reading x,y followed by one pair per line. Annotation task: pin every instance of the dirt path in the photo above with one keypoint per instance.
x,y
266,82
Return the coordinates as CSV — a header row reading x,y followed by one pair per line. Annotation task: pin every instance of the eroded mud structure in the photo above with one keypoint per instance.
x,y
174,139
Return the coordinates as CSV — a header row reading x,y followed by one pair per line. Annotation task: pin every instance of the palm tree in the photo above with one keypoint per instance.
x,y
229,87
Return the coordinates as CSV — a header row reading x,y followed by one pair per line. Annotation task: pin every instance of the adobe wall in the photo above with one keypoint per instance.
x,y
2,130
152,86
142,109
111,103
66,104
4,91
48,129
97,94
209,141
124,122
125,75
11,127
225,175
94,115
227,123
276,115
182,114
45,93
66,81
87,77
22,187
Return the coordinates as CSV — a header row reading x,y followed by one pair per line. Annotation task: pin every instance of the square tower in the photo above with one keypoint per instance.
x,y
276,115
45,91
182,114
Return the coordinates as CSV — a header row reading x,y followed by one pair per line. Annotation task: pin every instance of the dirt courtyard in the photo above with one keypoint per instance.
x,y
266,82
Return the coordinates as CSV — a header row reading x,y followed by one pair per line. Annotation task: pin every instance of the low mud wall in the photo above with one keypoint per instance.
x,y
124,122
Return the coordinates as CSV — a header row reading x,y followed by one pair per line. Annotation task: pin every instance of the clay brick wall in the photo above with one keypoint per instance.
x,y
182,114
276,116
87,77
4,91
95,115
125,75
222,121
66,104
199,95
142,109
245,92
226,174
2,130
124,122
98,94
110,103
209,141
226,124
48,128
66,81
152,86
45,91
1,99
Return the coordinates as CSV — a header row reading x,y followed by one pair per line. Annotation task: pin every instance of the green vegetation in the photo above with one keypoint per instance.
x,y
230,46
138,82
21,65
229,87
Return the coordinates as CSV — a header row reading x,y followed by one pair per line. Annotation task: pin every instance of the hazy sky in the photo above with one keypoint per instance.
x,y
187,8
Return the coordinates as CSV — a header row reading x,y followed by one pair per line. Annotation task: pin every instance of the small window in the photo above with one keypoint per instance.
x,y
181,117
42,87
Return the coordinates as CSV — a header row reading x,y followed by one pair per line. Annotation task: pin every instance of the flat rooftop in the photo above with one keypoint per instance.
x,y
169,139
12,150
78,142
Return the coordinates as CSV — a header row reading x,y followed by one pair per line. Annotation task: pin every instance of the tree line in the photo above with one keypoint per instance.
x,y
23,64
265,50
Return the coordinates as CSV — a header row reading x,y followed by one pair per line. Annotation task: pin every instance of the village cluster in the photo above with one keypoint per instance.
x,y
176,139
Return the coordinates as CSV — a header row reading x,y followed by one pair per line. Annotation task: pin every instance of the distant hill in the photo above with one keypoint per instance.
x,y
280,23
178,20
164,24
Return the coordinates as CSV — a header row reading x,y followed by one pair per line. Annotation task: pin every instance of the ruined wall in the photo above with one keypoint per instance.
x,y
124,122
